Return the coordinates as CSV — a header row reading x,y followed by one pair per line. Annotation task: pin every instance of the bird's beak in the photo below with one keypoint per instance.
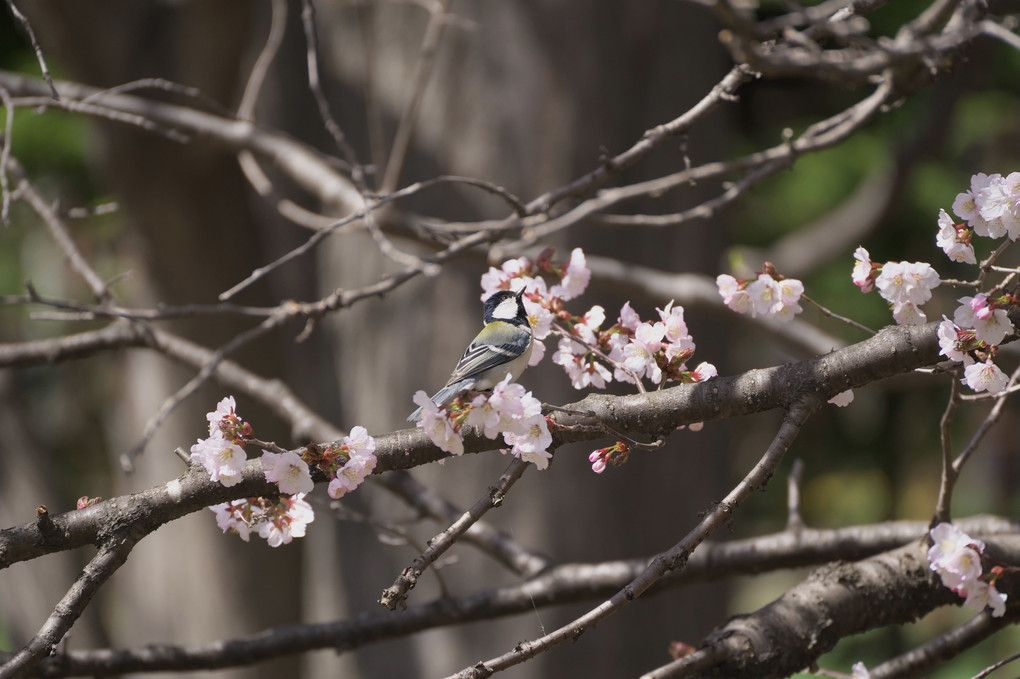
x,y
521,293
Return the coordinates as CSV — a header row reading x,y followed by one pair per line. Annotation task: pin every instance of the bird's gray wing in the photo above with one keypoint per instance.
x,y
482,356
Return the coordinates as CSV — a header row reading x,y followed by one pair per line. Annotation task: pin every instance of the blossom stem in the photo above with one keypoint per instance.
x,y
992,418
831,314
949,472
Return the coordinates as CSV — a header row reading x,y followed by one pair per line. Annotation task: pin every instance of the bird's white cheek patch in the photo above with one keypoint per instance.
x,y
506,310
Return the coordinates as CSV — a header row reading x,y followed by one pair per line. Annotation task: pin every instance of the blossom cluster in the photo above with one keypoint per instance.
x,y
990,209
979,325
633,348
509,410
905,285
630,350
770,294
956,557
277,521
223,456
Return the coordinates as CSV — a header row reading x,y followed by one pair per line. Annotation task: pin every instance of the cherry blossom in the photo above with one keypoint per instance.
x,y
949,341
639,355
575,277
288,471
437,426
223,459
956,557
985,377
734,296
864,273
954,241
991,324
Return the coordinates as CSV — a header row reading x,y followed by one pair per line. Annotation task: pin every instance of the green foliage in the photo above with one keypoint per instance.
x,y
53,143
984,134
787,201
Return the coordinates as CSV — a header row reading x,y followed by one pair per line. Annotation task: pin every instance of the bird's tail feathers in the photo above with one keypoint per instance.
x,y
444,396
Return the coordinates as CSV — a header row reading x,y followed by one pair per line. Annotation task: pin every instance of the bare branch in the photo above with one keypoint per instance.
x,y
949,475
494,542
25,24
61,234
111,556
673,560
568,583
208,368
309,168
277,25
649,141
5,155
821,135
926,657
314,84
420,80
396,594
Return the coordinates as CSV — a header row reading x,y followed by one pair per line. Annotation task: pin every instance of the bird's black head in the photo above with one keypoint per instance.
x,y
505,305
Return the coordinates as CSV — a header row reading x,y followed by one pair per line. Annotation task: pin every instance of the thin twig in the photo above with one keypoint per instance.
x,y
500,546
994,666
25,24
987,423
252,89
420,80
832,314
926,657
315,85
388,249
111,556
652,139
396,594
171,403
1000,32
672,561
821,135
949,474
366,13
314,239
5,154
158,84
390,533
308,168
107,112
60,233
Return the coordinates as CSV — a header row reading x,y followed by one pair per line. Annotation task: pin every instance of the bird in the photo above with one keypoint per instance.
x,y
502,348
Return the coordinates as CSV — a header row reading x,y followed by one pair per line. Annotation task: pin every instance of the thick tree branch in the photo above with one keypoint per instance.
x,y
564,584
928,656
836,601
894,350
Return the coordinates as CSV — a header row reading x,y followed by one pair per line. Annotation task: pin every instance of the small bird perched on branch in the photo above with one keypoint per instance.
x,y
502,348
